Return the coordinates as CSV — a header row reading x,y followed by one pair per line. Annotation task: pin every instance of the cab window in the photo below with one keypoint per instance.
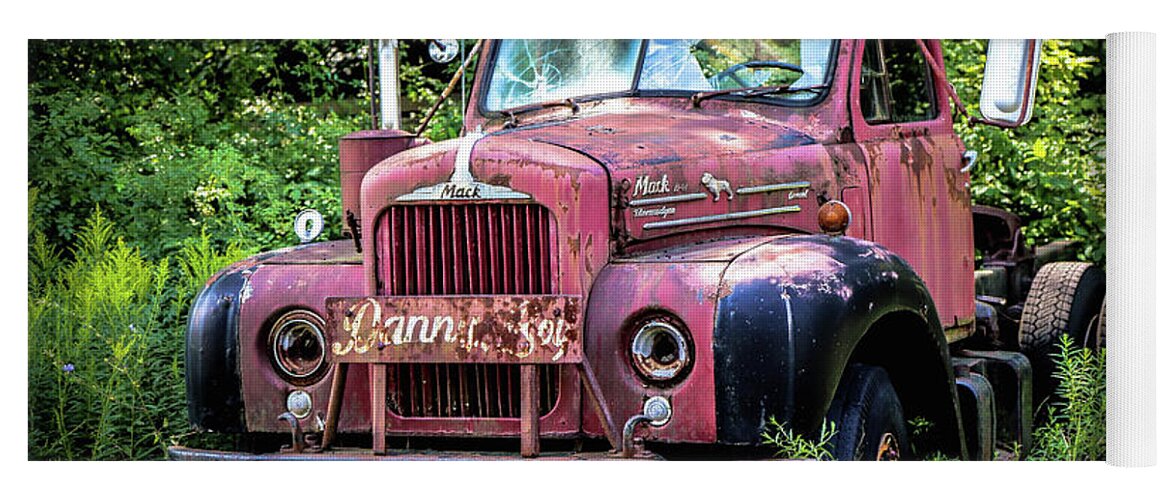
x,y
896,83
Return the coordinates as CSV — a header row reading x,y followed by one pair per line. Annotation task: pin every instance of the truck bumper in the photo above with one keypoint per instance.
x,y
182,453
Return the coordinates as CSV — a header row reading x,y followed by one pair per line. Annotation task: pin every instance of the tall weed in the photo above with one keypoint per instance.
x,y
1076,425
106,344
792,446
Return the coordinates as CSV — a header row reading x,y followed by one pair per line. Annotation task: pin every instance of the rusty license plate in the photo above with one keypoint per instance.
x,y
535,329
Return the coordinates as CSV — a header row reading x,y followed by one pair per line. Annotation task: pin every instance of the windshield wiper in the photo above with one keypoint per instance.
x,y
511,120
699,97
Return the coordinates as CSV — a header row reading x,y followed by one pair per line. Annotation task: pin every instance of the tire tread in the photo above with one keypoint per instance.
x,y
1049,305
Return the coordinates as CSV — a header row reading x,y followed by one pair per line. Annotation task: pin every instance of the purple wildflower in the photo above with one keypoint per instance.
x,y
68,368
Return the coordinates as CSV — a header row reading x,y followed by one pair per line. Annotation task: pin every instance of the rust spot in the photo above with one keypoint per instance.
x,y
571,312
589,268
649,162
601,129
500,180
721,291
574,245
575,184
955,190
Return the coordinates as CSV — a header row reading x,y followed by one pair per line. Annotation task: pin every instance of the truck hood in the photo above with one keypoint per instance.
x,y
663,136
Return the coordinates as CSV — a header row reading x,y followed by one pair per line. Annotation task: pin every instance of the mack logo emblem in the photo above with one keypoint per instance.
x,y
456,191
644,186
508,329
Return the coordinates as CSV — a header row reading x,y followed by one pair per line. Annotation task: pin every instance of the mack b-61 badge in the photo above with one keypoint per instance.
x,y
510,329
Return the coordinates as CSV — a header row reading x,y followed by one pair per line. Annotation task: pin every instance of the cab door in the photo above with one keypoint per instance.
x,y
919,197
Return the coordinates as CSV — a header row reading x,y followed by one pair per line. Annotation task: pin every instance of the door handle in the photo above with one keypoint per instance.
x,y
969,161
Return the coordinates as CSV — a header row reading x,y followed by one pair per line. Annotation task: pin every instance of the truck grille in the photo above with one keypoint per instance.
x,y
481,249
473,249
465,390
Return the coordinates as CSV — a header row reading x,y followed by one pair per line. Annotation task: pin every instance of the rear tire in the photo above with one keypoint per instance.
x,y
868,417
1066,298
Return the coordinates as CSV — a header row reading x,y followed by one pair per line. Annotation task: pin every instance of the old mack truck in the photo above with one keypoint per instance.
x,y
653,248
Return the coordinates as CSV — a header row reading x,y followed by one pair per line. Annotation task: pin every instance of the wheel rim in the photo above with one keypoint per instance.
x,y
888,448
1092,336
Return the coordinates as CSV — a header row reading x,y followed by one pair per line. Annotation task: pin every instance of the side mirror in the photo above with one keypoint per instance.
x,y
444,50
1010,81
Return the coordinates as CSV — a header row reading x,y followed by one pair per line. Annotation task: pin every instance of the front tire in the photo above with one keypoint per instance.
x,y
868,417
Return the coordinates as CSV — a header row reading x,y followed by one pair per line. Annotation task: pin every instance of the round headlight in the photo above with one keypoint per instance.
x,y
298,345
660,351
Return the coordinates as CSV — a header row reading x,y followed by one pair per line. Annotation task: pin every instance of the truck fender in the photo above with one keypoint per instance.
x,y
793,313
214,400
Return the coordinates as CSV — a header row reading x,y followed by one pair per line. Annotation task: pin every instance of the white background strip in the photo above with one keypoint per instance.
x,y
1130,249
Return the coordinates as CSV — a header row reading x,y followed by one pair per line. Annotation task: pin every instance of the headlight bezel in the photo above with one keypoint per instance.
x,y
651,339
297,322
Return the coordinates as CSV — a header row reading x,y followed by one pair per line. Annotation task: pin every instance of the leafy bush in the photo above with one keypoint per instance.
x,y
190,132
240,180
1051,172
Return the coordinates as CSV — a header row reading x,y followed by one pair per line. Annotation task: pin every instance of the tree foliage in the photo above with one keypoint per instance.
x,y
1052,171
230,138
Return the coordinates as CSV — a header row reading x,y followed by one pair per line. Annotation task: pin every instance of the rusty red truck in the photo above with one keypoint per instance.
x,y
657,245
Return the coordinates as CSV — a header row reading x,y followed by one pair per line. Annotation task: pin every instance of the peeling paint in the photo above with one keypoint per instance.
x,y
246,288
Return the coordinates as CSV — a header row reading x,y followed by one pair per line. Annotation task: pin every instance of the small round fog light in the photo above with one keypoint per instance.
x,y
299,403
834,217
658,409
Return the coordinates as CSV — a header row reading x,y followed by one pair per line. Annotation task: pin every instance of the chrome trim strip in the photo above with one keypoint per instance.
x,y
785,186
722,217
667,199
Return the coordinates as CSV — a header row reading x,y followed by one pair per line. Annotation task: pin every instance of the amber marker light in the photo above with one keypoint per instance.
x,y
833,217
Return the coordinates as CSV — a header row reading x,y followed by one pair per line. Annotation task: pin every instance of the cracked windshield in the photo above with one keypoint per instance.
x,y
529,72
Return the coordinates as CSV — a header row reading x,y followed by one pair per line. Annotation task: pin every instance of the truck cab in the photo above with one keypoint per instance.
x,y
650,242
